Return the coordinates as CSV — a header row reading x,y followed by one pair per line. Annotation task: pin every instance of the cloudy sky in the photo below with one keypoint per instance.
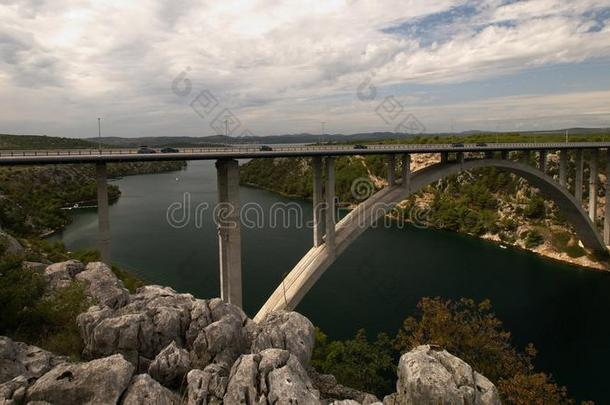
x,y
184,67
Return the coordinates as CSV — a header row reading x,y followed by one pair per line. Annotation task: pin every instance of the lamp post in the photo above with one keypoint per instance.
x,y
99,135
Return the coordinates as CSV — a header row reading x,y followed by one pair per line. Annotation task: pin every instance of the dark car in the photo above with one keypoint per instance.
x,y
145,150
481,144
359,146
265,148
457,145
169,150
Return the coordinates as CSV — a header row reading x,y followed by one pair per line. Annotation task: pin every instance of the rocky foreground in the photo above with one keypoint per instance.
x,y
161,347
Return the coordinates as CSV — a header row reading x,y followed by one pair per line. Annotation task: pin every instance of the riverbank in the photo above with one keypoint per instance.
x,y
486,203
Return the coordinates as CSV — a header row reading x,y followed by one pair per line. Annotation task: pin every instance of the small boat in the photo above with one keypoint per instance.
x,y
503,247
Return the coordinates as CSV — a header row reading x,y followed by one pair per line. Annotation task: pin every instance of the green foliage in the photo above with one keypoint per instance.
x,y
130,281
535,208
14,142
357,363
532,238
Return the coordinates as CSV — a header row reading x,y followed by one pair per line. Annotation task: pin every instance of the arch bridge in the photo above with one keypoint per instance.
x,y
331,238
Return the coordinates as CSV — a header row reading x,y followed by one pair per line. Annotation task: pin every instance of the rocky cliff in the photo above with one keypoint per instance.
x,y
159,346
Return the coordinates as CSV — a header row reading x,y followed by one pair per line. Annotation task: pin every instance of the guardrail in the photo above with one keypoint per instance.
x,y
309,148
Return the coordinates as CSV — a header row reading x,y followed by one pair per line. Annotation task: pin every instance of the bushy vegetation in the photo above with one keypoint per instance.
x,y
465,329
13,142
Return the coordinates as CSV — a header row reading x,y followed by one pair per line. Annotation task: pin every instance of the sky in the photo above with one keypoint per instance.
x,y
262,67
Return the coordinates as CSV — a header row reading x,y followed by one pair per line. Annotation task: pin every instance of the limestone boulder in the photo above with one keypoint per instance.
x,y
207,386
9,245
13,392
218,333
100,381
272,376
20,359
36,266
143,390
61,275
103,286
432,376
286,330
170,366
331,390
154,318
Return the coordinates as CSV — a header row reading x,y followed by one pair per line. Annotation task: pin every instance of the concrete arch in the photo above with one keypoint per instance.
x,y
311,267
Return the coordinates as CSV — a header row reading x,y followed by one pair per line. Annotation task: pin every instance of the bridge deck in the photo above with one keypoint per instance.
x,y
41,157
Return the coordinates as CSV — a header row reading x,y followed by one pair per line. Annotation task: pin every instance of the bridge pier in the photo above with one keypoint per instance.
x,y
330,203
460,157
391,162
103,218
607,206
318,202
444,157
406,171
593,185
578,165
563,168
542,161
525,157
504,154
229,233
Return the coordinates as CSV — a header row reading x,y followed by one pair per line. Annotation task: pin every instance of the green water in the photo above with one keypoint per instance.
x,y
375,284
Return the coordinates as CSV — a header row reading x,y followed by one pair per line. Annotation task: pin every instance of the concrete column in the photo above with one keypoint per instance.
x,y
563,168
406,171
103,217
444,157
391,162
318,202
229,233
578,165
607,206
542,161
593,185
504,154
460,157
525,157
330,203
489,155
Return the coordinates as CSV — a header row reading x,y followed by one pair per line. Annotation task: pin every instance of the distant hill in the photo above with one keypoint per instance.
x,y
8,142
188,141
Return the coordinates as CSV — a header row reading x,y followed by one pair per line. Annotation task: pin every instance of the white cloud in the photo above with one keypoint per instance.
x,y
65,62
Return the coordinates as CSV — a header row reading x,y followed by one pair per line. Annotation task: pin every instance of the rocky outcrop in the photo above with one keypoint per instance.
x,y
13,392
271,376
154,318
207,386
9,245
61,275
103,286
286,330
170,366
331,390
143,390
100,381
428,375
20,359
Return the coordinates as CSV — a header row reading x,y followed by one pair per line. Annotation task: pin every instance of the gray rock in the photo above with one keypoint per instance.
x,y
170,366
286,330
345,402
430,376
207,386
20,359
218,333
154,317
103,286
100,381
143,390
273,376
13,392
60,275
330,389
10,244
36,266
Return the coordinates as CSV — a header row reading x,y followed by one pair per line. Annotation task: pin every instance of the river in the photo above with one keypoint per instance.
x,y
375,284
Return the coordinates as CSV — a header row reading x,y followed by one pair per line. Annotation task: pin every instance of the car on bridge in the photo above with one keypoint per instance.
x,y
481,144
265,148
457,145
145,150
169,150
359,146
